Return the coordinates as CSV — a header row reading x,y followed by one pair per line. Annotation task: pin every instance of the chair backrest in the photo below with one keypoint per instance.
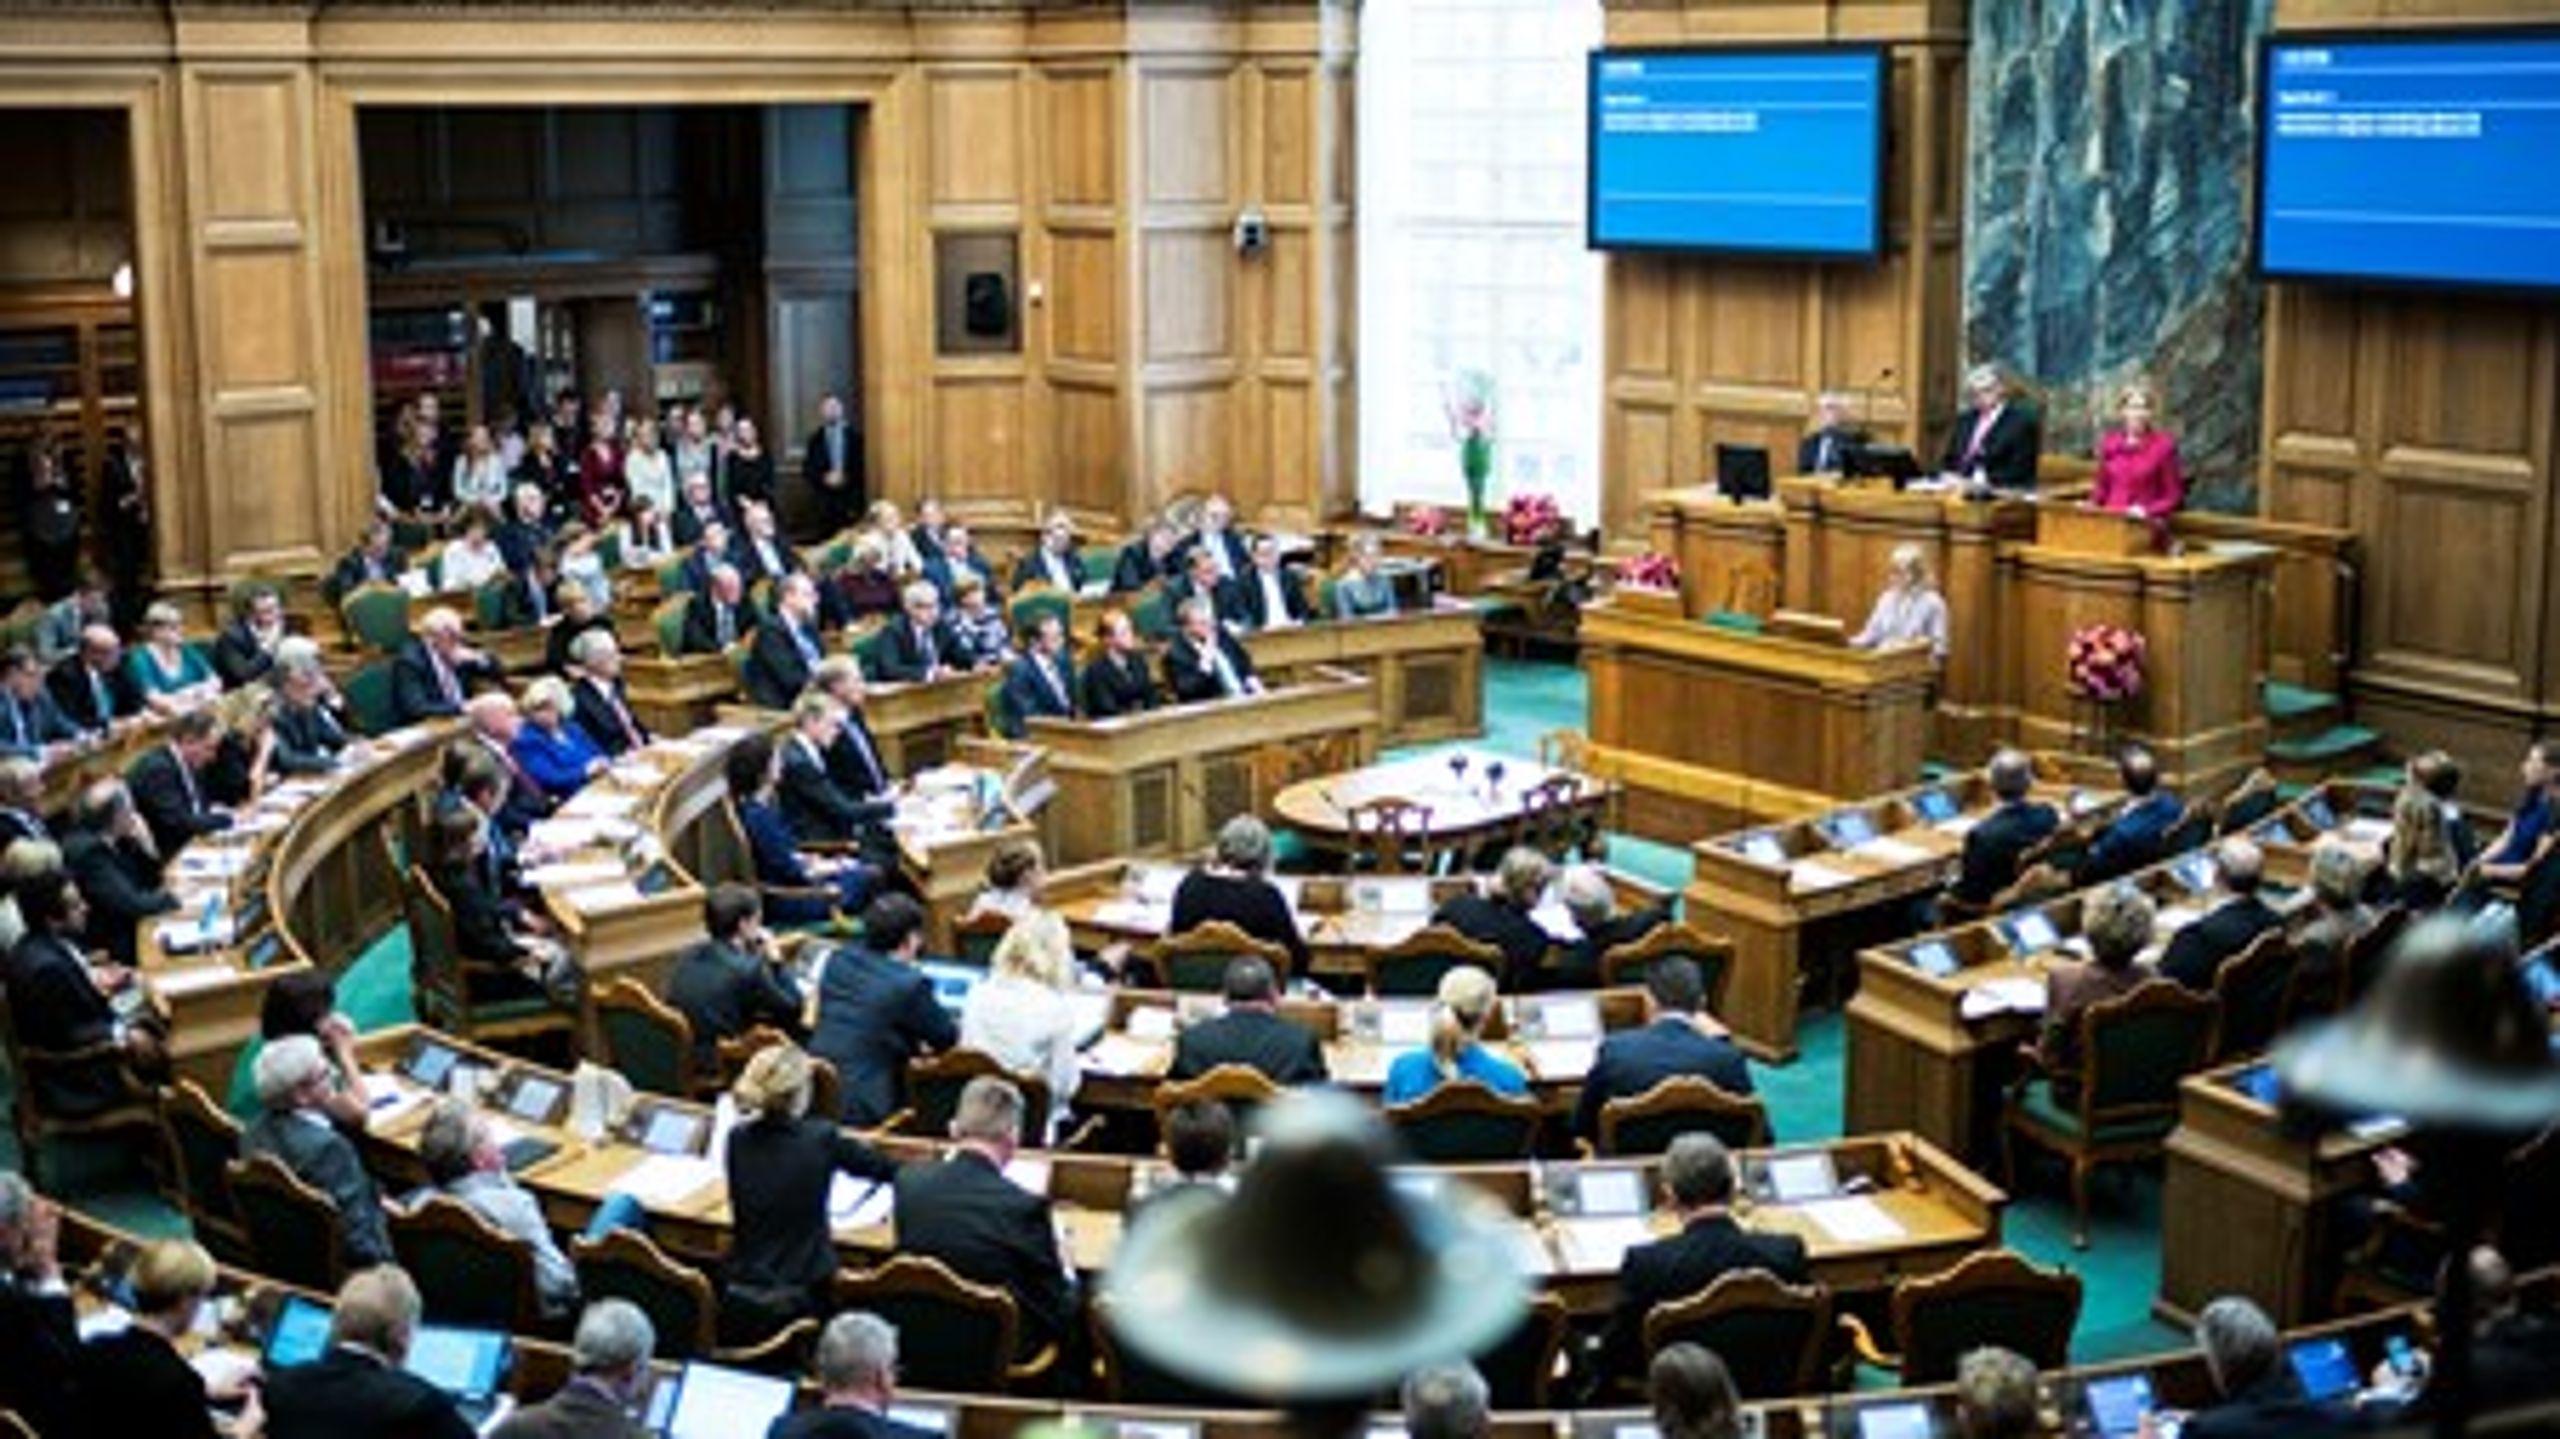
x,y
627,1264
1389,834
645,1037
199,1140
2249,988
1463,1122
469,1272
870,647
1553,818
1770,1334
2194,826
377,615
1628,963
1151,613
1683,1104
934,1082
2253,801
673,580
435,963
1994,1297
1413,965
721,855
292,1227
368,692
1521,1369
2370,950
489,605
952,1334
1035,600
974,937
1240,1087
1197,958
667,623
2135,1049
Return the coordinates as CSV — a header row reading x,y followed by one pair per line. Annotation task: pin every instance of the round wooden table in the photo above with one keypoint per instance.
x,y
1468,806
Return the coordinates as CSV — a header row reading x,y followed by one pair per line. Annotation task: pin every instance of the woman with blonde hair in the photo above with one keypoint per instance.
x,y
555,753
170,675
1025,1016
244,764
2138,471
135,1381
1466,1000
1910,607
2421,861
781,1162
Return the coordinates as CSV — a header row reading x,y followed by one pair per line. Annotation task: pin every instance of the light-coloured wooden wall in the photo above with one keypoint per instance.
x,y
2425,423
1702,351
1116,139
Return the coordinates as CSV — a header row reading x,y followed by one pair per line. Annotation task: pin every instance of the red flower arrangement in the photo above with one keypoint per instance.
x,y
1427,521
1651,570
1531,519
2105,663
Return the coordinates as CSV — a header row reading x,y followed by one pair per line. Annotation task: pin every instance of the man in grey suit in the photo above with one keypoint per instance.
x,y
611,1355
293,1077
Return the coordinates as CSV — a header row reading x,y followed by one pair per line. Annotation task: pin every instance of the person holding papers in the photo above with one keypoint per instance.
x,y
1204,662
1909,610
782,1162
2116,922
1456,1052
1995,438
1677,1039
2138,471
1697,1178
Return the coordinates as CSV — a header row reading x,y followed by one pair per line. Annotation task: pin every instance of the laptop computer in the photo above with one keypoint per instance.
x,y
468,1364
712,1401
1934,806
298,1334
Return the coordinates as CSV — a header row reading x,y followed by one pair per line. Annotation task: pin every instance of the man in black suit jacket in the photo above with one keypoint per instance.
x,y
1996,436
1501,918
167,783
1993,847
1677,1039
876,1011
1825,450
1593,906
56,1004
529,599
920,644
374,561
1149,557
1043,681
730,983
2200,947
719,614
1054,561
38,1331
90,687
990,1230
433,675
818,809
1697,1176
357,1387
245,651
1271,595
1118,682
2259,1398
293,1079
32,723
759,550
831,466
1252,1032
1217,534
698,511
857,1367
109,855
1199,579
1204,662
786,646
603,702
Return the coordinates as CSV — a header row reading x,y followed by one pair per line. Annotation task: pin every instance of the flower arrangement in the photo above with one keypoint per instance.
x,y
1531,519
2105,663
1427,521
1467,401
1651,570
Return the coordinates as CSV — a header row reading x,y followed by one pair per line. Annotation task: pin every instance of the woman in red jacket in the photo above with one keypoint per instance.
x,y
2138,471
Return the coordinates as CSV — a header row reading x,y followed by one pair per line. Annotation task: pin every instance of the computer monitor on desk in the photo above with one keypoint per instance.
x,y
1742,472
1880,462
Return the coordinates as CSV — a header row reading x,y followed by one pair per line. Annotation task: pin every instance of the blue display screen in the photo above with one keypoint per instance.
x,y
2412,159
1777,152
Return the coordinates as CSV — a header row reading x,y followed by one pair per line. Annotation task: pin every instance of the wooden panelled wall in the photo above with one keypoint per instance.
x,y
2425,423
1702,351
1117,138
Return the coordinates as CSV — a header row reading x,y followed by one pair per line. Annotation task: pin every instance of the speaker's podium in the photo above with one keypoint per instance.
x,y
2202,612
1709,726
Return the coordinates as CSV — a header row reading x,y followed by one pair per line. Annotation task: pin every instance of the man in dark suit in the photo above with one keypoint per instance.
x,y
374,561
90,686
310,725
2199,948
357,1387
1593,906
1043,681
609,1360
1501,917
21,799
831,466
245,651
1697,1177
2132,839
876,1011
1677,1039
698,510
1993,847
38,1330
1272,595
167,787
857,1366
529,598
1825,450
1055,561
1995,436
2259,1397
1252,1032
1117,682
732,981
956,556
32,723
819,810
109,854
603,701
1217,534
759,550
920,644
527,530
293,1079
59,1003
786,646
1204,662
854,760
1151,556
719,614
990,1230
433,675
1199,579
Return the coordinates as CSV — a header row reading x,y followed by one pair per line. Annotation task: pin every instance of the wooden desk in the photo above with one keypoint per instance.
x,y
678,694
1428,664
1467,809
1162,782
74,767
2246,1206
1708,728
1767,888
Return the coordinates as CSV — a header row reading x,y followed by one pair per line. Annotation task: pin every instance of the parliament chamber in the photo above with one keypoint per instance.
x,y
1425,719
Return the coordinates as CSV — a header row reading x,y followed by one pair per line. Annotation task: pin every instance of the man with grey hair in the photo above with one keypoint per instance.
x,y
1204,662
1500,915
434,672
110,853
1251,1031
1999,840
357,1386
460,1153
37,1330
719,614
921,644
1996,1395
2238,918
90,687
1995,439
610,1355
857,1365
21,800
602,701
1825,449
293,1078
1592,903
1447,1401
2116,922
2245,1357
966,1212
1697,1179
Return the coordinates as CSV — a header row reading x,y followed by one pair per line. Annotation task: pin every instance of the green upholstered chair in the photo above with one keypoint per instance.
x,y
291,1227
469,1272
198,1141
646,1038
1628,963
627,1264
378,616
1033,601
1412,966
953,1335
1993,1297
368,692
666,621
2134,1049
438,991
934,1082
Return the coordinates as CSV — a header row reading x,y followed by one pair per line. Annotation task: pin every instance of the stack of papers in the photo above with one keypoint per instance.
x,y
598,803
1815,874
1119,1054
1150,1021
598,898
858,1203
667,1181
1600,1245
1560,1059
2015,995
1133,914
576,872
1885,849
1854,1220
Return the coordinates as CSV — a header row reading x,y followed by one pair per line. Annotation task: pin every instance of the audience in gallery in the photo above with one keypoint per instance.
x,y
1698,1183
1909,610
979,622
609,1379
1456,1052
1025,1014
1504,915
1251,1031
1677,1039
876,1011
2138,471
1235,886
964,1211
736,979
359,1384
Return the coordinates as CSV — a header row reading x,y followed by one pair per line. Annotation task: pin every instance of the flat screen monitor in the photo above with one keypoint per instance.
x,y
1739,151
430,1064
536,1100
1936,806
1763,847
298,1334
1742,472
2316,811
2117,1404
2030,931
465,1363
715,1402
1895,1419
2419,158
1606,1193
1848,828
1934,958
1798,1178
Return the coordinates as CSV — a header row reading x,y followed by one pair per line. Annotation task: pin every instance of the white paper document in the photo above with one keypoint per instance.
x,y
858,1203
572,875
667,1181
1814,874
1854,1220
1589,1245
2002,996
1885,849
1559,1059
1124,1055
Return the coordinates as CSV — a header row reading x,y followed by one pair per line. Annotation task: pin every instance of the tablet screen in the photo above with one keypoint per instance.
x,y
1763,848
2117,1404
720,1403
1849,828
2030,932
670,1131
1894,1421
1608,1192
299,1334
2323,1367
1798,1178
2315,808
534,1099
1934,805
1933,957
466,1363
431,1065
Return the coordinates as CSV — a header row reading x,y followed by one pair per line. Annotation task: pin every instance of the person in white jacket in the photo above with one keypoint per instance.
x,y
1025,1015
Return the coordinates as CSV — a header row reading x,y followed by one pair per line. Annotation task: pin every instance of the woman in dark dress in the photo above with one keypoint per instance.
x,y
135,1381
781,1163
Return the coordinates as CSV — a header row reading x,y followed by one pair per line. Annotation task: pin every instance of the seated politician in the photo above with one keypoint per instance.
x,y
1697,1179
1056,563
1234,886
2237,918
1360,592
1995,437
786,646
828,884
718,615
1592,902
1117,681
2133,838
735,979
1910,610
2116,921
1251,1031
1041,683
2138,472
1998,841
554,753
1825,450
1678,1039
1502,915
2529,829
814,804
965,1212
876,1011
1456,1051
1204,662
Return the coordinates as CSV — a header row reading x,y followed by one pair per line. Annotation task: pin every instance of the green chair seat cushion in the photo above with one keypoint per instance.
x,y
2041,1109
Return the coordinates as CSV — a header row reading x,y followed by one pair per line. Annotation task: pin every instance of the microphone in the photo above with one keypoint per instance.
x,y
1867,398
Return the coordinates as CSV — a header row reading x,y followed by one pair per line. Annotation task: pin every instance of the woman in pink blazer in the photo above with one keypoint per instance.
x,y
2138,470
